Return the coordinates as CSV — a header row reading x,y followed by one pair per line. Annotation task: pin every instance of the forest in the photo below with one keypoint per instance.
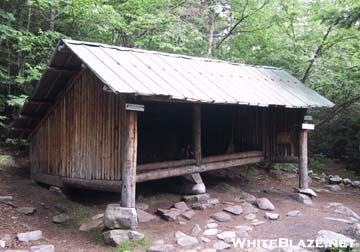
x,y
315,40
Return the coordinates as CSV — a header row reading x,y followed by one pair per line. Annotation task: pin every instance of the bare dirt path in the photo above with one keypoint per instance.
x,y
224,185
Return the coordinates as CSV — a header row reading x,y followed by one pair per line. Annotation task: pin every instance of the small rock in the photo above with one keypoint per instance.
x,y
144,217
333,188
346,181
221,216
227,236
210,232
181,206
204,239
179,234
271,216
339,220
30,236
355,183
302,198
135,235
117,216
171,214
250,217
335,179
2,244
306,191
162,248
243,230
55,189
93,224
5,237
326,238
115,237
248,208
182,223
42,248
5,199
188,214
257,222
220,245
265,204
199,206
26,210
247,197
213,202
196,230
211,225
98,216
61,218
236,209
321,190
196,198
187,241
294,213
354,231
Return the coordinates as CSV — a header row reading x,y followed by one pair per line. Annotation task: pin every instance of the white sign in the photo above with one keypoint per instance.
x,y
134,107
308,126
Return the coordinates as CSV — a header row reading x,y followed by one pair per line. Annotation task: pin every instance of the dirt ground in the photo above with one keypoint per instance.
x,y
224,185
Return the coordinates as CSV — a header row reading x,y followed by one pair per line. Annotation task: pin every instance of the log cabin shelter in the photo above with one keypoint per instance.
x,y
106,117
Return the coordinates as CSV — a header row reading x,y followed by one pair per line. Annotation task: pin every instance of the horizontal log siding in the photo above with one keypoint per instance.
x,y
82,136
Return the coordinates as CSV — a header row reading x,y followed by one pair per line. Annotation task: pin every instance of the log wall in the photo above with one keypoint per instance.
x,y
82,137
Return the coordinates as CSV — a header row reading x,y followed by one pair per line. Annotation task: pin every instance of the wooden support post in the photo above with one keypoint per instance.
x,y
129,167
303,160
197,133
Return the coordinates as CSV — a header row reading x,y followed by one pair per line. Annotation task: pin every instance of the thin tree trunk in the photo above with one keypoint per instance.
x,y
211,40
52,18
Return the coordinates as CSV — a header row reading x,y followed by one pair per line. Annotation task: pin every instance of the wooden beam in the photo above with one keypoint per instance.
x,y
165,164
188,169
28,117
197,132
63,70
129,167
232,156
93,184
22,129
303,161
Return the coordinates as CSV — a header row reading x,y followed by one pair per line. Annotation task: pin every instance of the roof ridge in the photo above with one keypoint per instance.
x,y
175,55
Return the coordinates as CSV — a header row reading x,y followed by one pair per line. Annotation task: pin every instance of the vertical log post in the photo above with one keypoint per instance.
x,y
197,132
129,167
303,160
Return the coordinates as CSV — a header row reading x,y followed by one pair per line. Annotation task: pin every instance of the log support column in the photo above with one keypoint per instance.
x,y
129,167
197,133
303,160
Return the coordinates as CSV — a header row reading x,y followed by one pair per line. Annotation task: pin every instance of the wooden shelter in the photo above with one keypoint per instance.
x,y
106,117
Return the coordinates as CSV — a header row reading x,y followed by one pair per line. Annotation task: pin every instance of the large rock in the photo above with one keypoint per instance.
x,y
236,209
120,217
115,237
188,214
354,231
343,210
26,210
335,179
265,204
306,191
247,197
327,238
42,248
144,217
60,218
30,236
221,217
294,213
271,216
302,198
181,206
333,188
93,224
196,198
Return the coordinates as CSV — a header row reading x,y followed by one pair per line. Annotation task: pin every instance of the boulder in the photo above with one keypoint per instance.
x,y
162,248
196,230
302,198
294,213
120,217
227,236
196,198
26,210
327,238
221,217
61,218
271,216
93,224
144,217
335,179
42,248
355,183
347,181
343,210
354,231
30,236
236,209
265,204
188,214
115,237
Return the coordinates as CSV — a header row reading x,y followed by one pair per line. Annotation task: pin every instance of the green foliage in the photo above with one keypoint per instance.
x,y
130,245
16,101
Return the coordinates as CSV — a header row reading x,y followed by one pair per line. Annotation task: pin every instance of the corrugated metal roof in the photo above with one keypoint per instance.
x,y
150,73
